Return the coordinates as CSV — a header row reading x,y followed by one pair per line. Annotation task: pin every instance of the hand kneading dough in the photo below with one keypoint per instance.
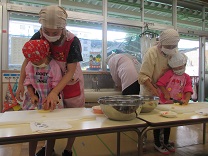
x,y
43,111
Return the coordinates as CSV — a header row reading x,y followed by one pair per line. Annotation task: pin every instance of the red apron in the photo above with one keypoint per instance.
x,y
74,91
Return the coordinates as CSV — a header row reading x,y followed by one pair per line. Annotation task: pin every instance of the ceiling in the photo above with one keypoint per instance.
x,y
189,12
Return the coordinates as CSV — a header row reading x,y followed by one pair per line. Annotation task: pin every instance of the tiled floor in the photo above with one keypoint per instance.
x,y
188,142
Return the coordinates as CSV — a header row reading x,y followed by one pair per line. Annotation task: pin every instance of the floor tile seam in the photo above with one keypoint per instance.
x,y
103,142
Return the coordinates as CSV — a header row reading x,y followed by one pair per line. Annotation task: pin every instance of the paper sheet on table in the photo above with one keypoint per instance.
x,y
191,107
47,126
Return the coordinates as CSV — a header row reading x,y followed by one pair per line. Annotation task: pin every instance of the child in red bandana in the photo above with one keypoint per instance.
x,y
42,75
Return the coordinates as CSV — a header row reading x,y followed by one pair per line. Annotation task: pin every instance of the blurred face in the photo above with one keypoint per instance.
x,y
52,32
169,50
52,35
40,64
179,70
169,46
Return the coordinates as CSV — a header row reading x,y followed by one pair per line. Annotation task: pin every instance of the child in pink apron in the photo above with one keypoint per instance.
x,y
175,84
42,75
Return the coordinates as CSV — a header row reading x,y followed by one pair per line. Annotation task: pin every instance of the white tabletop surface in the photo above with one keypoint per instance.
x,y
83,120
155,119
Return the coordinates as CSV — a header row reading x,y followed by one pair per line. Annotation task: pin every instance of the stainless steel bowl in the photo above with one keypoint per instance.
x,y
149,103
122,107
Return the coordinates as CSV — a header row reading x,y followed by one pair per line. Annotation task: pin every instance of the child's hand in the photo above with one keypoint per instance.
x,y
51,101
167,96
185,102
34,99
20,92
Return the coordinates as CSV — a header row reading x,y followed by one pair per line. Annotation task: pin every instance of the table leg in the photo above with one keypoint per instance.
x,y
118,143
139,146
140,140
204,133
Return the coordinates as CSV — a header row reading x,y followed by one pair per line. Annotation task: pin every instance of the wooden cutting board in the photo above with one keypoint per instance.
x,y
191,107
21,117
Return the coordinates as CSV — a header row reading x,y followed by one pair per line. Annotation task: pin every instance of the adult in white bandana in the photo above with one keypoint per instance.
x,y
154,65
155,61
169,41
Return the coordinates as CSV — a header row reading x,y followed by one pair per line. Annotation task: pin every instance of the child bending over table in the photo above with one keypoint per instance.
x,y
42,75
174,84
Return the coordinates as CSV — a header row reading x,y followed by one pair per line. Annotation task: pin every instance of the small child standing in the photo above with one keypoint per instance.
x,y
174,84
42,75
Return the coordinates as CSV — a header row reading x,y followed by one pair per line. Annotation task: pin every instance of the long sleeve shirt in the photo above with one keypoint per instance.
x,y
124,69
154,65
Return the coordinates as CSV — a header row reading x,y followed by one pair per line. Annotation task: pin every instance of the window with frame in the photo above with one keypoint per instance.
x,y
23,26
191,49
124,39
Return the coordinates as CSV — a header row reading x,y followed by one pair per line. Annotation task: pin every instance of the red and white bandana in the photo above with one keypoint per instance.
x,y
36,50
